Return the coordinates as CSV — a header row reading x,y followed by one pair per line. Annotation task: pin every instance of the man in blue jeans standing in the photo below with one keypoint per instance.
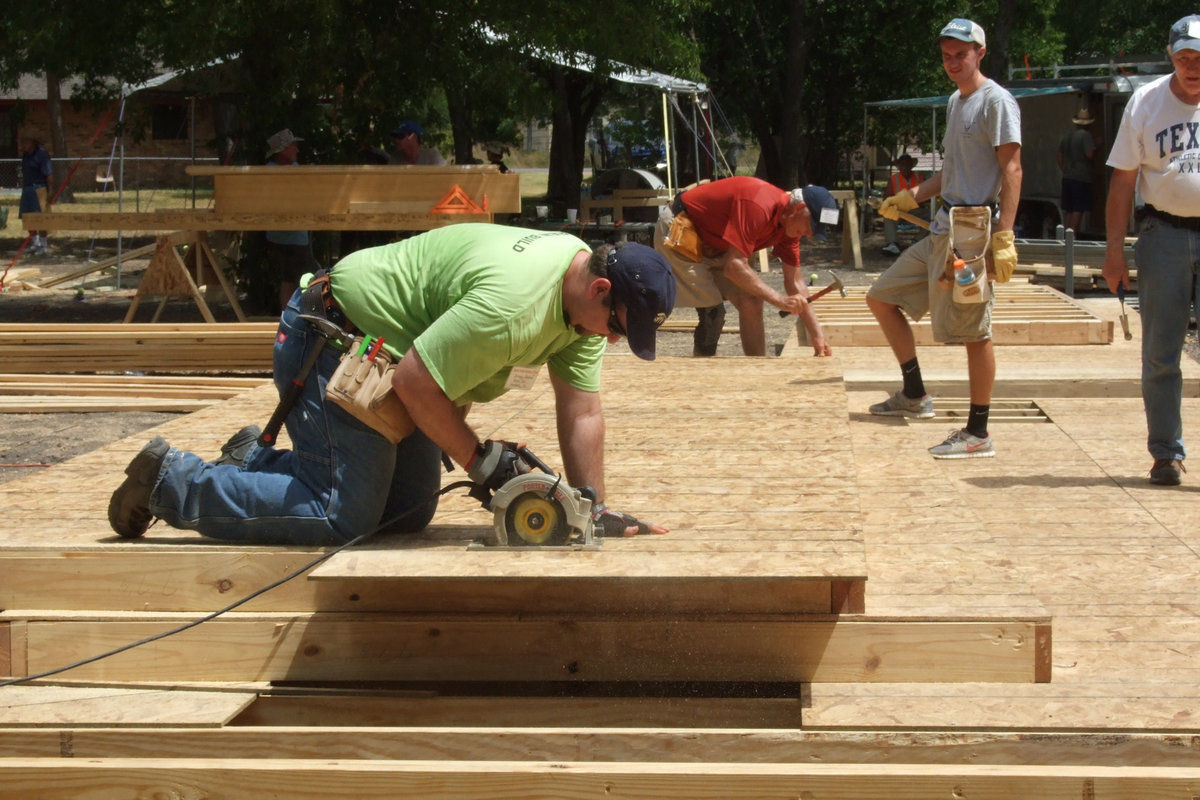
x,y
469,311
1158,140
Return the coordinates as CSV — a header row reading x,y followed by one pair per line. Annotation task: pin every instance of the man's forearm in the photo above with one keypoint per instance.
x,y
580,424
738,270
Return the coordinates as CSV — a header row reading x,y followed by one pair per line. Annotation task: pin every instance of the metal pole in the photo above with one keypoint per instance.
x,y
866,184
192,136
1069,264
667,137
696,128
120,178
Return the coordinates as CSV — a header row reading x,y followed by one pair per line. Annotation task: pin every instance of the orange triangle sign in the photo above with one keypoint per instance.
x,y
457,201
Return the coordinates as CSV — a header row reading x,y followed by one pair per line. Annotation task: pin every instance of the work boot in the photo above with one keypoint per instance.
x,y
129,507
710,323
1165,471
234,451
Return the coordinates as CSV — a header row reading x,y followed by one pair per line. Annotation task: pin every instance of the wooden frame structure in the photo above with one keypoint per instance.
x,y
295,198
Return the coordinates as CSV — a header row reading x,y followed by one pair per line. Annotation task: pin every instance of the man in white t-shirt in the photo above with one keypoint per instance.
x,y
1157,153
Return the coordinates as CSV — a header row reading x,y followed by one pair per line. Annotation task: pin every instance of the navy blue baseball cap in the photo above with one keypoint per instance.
x,y
818,199
643,282
405,128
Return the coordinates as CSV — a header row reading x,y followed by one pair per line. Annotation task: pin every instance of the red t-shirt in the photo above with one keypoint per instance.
x,y
744,214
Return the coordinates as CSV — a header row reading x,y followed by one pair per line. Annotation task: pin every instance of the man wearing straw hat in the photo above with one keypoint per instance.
x,y
1075,153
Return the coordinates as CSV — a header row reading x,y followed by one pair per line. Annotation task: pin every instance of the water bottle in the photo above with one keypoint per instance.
x,y
965,276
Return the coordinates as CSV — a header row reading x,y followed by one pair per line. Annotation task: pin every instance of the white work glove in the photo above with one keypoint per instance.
x,y
902,200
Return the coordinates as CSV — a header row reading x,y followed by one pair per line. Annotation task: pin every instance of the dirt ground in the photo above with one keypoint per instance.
x,y
29,442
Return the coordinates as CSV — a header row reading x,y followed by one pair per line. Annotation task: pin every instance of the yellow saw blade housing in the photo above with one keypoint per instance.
x,y
540,510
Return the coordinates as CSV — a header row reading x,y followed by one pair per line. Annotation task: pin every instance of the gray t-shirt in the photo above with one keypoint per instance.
x,y
975,126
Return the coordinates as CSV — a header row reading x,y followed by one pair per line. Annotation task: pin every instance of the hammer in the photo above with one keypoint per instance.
x,y
1124,318
837,284
904,215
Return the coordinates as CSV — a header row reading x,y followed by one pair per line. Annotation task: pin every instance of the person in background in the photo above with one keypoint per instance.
x,y
733,218
289,253
409,150
903,178
37,186
1075,153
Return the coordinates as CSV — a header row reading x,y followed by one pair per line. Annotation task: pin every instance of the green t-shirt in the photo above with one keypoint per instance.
x,y
476,300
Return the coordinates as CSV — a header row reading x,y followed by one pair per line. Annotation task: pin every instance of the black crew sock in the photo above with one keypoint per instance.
x,y
977,420
914,387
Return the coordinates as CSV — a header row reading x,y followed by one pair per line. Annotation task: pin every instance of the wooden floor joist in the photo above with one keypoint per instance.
x,y
451,780
1023,314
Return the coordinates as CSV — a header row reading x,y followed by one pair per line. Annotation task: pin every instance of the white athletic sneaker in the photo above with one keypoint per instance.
x,y
891,249
899,405
960,444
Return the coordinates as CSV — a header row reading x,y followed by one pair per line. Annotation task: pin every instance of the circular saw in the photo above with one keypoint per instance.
x,y
539,509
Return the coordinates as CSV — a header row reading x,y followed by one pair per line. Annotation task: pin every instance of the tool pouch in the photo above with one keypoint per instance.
x,y
363,388
970,236
683,238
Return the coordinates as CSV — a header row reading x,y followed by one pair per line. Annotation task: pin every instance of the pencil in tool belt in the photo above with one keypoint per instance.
x,y
362,348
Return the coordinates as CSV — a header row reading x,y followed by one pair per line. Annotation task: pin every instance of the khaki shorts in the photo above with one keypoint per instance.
x,y
911,283
698,284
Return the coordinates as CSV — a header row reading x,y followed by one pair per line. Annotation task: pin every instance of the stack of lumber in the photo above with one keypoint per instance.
x,y
42,394
680,665
138,347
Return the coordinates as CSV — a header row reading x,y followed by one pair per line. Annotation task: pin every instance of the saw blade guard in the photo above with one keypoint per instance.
x,y
536,509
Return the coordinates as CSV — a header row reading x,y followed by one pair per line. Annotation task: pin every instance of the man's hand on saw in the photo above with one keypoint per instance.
x,y
496,463
902,200
611,523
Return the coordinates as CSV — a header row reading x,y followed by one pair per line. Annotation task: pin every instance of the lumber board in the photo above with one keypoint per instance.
x,y
255,220
528,647
57,404
142,347
60,779
694,745
103,707
97,266
206,579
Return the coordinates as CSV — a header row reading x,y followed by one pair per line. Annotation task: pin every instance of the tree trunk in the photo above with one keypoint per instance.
x,y
58,137
461,125
576,97
998,39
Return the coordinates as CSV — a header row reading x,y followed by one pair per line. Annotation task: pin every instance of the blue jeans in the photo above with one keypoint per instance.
x,y
340,480
1168,259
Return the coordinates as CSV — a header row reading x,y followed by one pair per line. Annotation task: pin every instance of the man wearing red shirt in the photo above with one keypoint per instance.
x,y
734,217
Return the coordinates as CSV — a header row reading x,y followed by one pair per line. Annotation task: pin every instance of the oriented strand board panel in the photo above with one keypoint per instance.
x,y
305,189
102,707
1023,314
